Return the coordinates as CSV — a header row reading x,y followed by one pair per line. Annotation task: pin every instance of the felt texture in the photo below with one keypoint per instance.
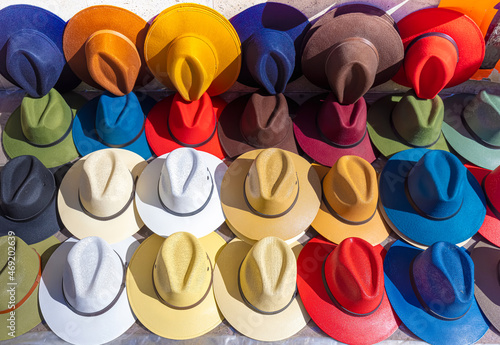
x,y
38,34
341,24
192,121
329,317
210,59
116,120
271,37
62,320
257,121
84,24
45,120
427,76
153,313
343,186
481,112
398,260
341,124
256,227
438,175
264,327
401,122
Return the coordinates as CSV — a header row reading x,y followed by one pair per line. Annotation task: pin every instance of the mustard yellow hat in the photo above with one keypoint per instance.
x,y
192,49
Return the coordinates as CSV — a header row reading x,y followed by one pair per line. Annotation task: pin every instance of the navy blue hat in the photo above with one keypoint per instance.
x,y
31,54
429,196
110,121
432,292
271,37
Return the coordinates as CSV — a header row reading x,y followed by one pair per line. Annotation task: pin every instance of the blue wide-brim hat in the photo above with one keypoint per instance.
x,y
398,285
264,27
38,32
120,124
455,220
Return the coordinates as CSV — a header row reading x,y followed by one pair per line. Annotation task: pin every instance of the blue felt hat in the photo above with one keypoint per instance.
x,y
429,196
31,52
432,292
110,121
271,37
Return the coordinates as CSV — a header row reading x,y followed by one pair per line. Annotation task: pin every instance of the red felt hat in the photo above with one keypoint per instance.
x,y
174,122
490,182
327,130
342,288
443,48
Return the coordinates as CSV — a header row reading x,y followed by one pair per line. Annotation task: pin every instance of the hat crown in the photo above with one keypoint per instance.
x,y
185,181
436,184
45,120
351,188
92,276
106,184
268,275
443,276
182,272
26,187
270,58
482,115
271,185
192,122
119,119
265,121
342,124
417,120
355,277
113,61
33,61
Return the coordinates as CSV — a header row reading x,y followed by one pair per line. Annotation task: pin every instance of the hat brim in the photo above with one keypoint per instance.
x,y
252,242
487,285
79,223
156,316
381,132
275,16
158,135
85,136
466,330
309,138
463,30
335,230
196,20
332,320
230,136
255,227
103,17
163,223
261,327
354,20
15,143
68,325
410,223
460,139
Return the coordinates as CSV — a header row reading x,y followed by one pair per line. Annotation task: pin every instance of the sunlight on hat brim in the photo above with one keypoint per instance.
x,y
81,225
75,328
156,316
244,319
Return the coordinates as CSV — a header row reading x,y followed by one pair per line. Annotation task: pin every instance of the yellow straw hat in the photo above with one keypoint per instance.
x,y
170,284
192,49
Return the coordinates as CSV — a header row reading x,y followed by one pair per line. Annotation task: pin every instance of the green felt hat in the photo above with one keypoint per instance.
x,y
42,127
21,282
401,122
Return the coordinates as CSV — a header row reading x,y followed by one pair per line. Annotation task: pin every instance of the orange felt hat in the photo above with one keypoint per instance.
x,y
443,48
104,47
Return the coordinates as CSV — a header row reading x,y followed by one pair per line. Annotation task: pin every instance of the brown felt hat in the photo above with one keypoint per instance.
x,y
104,47
257,121
351,49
